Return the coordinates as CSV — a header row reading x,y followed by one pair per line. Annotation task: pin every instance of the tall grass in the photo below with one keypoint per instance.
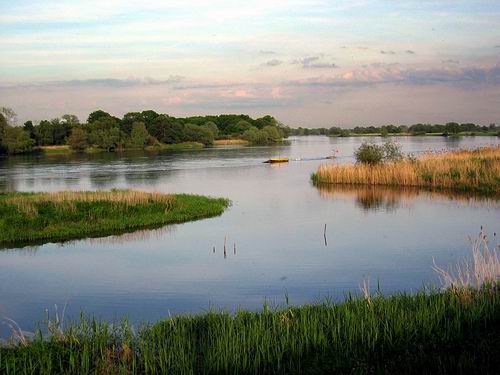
x,y
27,203
428,332
467,170
32,218
480,269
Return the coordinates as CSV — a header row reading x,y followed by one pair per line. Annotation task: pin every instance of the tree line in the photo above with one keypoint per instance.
x,y
449,128
133,130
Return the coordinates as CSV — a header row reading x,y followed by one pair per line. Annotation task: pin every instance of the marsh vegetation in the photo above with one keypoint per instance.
x,y
39,217
464,170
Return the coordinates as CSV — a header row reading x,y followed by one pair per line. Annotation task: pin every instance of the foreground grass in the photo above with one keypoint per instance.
x,y
423,333
35,217
464,170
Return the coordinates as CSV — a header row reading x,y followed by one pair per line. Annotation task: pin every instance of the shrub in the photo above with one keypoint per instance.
x,y
392,151
369,153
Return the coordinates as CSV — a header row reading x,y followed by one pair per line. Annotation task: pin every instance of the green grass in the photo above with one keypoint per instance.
x,y
33,218
429,332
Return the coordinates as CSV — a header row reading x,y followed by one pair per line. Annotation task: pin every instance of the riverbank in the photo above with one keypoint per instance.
x,y
448,332
42,217
406,134
464,170
229,142
65,149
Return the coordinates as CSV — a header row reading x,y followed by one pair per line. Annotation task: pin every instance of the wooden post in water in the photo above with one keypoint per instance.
x,y
225,254
324,236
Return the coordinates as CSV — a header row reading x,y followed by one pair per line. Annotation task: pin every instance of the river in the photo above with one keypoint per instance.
x,y
275,236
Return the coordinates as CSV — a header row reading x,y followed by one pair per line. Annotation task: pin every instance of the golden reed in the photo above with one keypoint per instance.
x,y
463,170
26,202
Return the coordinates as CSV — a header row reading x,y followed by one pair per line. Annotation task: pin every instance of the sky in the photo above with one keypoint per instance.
x,y
309,63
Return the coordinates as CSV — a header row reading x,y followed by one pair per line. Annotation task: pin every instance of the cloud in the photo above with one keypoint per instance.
x,y
387,52
397,74
410,52
267,52
450,61
321,66
273,62
313,62
104,82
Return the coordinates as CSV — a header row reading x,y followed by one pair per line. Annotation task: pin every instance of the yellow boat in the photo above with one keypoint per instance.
x,y
277,160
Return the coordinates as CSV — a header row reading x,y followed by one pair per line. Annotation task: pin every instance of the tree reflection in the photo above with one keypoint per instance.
x,y
384,198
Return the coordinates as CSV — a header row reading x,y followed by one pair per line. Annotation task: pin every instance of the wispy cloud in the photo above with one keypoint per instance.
x,y
410,52
272,63
388,52
267,52
397,74
314,62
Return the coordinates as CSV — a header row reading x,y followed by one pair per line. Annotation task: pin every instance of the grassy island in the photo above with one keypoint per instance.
x,y
464,170
59,216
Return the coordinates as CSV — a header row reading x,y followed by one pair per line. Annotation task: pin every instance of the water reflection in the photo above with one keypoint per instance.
x,y
386,198
119,239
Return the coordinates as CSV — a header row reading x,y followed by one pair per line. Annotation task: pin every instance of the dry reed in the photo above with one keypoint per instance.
x,y
477,170
482,269
26,203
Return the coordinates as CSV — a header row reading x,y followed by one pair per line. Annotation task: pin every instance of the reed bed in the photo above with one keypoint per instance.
x,y
66,199
34,218
428,332
465,170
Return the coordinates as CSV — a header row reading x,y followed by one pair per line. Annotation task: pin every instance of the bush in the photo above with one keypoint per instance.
x,y
392,151
17,141
369,153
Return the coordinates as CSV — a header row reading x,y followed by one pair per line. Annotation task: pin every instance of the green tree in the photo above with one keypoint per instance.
x,y
212,126
43,133
30,128
452,127
78,139
17,141
9,115
3,129
166,129
139,135
70,120
107,139
195,133
97,115
369,153
251,135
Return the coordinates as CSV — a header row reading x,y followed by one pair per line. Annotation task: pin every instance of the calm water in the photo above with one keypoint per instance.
x,y
276,223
